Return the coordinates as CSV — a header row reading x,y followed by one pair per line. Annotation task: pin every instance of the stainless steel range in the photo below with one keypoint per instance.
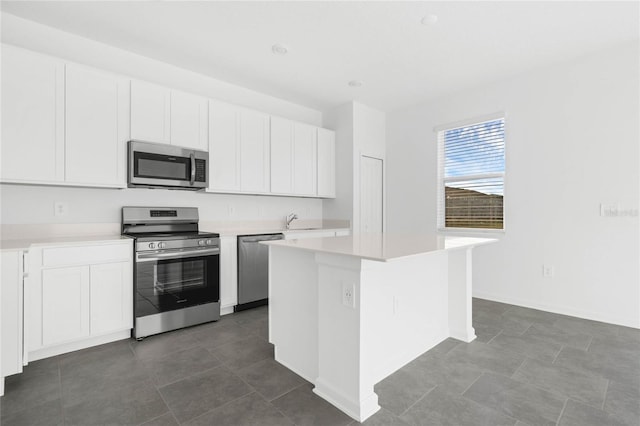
x,y
177,269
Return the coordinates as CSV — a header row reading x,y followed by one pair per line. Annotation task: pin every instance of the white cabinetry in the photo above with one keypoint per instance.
x,y
228,272
97,127
326,163
293,158
32,117
281,156
150,112
304,159
239,149
65,304
162,115
11,267
189,120
78,296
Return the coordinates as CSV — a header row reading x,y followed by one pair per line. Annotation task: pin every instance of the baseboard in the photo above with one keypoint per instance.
x,y
80,344
563,310
358,410
464,335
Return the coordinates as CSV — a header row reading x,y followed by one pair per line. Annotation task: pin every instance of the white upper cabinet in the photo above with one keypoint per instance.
x,y
304,160
293,158
238,149
162,115
224,147
97,127
32,117
254,151
189,120
326,163
150,112
281,155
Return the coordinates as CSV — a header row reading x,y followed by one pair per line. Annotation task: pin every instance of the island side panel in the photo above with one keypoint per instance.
x,y
460,291
293,309
404,311
340,378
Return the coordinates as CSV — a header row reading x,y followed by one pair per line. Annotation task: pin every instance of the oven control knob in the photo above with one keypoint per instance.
x,y
201,242
152,245
161,245
209,242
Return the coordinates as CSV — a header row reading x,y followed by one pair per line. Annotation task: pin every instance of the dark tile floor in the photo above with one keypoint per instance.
x,y
527,367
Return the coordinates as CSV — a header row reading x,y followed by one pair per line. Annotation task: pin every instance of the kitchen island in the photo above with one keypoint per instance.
x,y
346,312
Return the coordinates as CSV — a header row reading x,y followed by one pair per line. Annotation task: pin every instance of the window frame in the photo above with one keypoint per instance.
x,y
440,205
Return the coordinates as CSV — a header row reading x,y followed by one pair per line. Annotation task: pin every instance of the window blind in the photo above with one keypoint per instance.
x,y
471,164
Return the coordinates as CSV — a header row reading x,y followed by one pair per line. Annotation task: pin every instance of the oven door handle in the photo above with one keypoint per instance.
x,y
153,257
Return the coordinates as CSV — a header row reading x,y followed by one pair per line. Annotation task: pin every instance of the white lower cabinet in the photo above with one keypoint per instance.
x,y
79,305
110,297
65,305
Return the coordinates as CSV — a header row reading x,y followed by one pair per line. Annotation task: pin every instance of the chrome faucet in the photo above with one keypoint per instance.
x,y
290,218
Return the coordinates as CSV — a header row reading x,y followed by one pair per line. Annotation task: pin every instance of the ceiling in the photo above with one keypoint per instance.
x,y
384,44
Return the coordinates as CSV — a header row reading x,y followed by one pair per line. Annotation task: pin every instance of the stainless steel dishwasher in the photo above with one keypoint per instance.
x,y
253,270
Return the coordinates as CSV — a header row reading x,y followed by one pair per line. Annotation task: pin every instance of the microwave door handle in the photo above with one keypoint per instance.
x,y
193,168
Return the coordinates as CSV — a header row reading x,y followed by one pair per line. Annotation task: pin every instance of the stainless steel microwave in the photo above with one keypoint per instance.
x,y
153,165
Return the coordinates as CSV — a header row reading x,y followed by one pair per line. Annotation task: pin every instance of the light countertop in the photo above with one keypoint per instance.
x,y
382,247
24,244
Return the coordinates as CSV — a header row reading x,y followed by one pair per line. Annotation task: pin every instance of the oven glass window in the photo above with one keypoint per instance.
x,y
161,166
165,285
177,277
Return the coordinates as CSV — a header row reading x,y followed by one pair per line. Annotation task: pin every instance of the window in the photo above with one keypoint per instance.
x,y
471,176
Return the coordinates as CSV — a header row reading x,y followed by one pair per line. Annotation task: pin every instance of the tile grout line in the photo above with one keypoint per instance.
x,y
473,383
590,342
606,389
562,411
491,340
418,400
62,410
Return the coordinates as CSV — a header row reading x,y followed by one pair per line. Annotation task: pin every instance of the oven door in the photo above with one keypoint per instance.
x,y
175,279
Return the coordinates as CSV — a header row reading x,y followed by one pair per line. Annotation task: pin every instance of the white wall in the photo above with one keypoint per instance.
x,y
360,130
340,119
572,142
34,204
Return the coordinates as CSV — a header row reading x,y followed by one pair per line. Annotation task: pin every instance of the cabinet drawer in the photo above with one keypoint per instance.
x,y
85,254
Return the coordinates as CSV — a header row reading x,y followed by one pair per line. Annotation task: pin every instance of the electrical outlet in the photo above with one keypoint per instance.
x,y
547,271
60,208
348,295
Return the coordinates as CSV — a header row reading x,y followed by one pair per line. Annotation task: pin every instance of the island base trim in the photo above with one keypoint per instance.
x,y
466,335
358,410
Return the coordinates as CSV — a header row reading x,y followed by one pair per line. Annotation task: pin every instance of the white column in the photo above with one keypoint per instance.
x,y
460,315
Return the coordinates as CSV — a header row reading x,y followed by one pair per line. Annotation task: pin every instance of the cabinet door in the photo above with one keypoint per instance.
x,y
65,304
228,271
281,156
97,126
254,151
326,163
150,112
32,117
304,160
189,120
11,313
224,147
111,297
